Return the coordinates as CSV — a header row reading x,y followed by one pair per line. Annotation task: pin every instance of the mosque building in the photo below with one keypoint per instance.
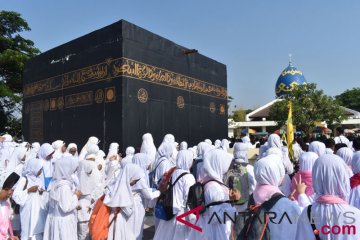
x,y
258,120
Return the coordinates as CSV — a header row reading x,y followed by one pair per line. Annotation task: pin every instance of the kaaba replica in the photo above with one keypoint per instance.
x,y
120,82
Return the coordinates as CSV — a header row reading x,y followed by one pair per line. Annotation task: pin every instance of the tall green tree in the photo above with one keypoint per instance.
x,y
14,52
350,99
310,106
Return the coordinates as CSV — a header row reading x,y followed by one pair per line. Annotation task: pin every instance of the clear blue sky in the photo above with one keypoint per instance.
x,y
253,38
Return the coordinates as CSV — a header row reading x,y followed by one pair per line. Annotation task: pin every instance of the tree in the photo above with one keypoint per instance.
x,y
239,115
310,106
14,52
350,99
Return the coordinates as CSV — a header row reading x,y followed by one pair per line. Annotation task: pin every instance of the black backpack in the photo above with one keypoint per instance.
x,y
164,205
254,224
196,196
194,167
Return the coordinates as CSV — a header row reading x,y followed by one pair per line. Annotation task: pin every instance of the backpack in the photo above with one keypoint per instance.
x,y
316,232
255,223
238,178
99,223
196,196
152,182
165,180
164,205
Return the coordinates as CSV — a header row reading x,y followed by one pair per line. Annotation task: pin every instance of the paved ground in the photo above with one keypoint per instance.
x,y
149,228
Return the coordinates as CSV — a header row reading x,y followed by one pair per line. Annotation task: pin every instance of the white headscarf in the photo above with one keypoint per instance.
x,y
216,163
6,148
355,163
92,150
57,146
225,145
317,147
130,151
148,146
65,168
346,154
16,158
330,177
184,160
217,143
307,160
119,193
165,151
241,152
269,173
208,141
35,147
142,160
113,150
274,141
183,146
91,140
202,148
45,150
31,170
70,146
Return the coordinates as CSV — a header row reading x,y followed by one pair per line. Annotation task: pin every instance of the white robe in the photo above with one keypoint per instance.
x,y
354,199
332,211
32,211
173,229
129,222
214,230
162,168
61,223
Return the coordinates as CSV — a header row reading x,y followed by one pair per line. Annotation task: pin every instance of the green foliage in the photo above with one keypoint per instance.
x,y
239,115
310,106
14,52
350,99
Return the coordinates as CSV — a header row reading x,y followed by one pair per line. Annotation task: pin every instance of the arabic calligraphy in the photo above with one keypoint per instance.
x,y
123,67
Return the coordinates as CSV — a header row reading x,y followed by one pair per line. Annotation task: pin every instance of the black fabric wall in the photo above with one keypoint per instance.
x,y
97,63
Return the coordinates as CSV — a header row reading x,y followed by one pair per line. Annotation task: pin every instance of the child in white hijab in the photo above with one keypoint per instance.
x,y
61,221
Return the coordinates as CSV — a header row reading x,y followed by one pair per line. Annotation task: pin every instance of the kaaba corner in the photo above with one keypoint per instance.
x,y
120,82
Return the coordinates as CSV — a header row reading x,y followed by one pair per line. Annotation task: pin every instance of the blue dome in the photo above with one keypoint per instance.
x,y
288,80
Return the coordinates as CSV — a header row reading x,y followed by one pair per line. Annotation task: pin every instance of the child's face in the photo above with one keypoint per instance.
x,y
5,194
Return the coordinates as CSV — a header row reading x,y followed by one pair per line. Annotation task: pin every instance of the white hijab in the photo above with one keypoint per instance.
x,y
119,193
317,147
91,140
16,158
346,154
31,170
148,146
355,163
241,152
217,143
57,146
216,163
306,161
44,151
64,169
35,147
225,145
70,146
130,151
113,151
142,160
183,146
184,160
208,141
